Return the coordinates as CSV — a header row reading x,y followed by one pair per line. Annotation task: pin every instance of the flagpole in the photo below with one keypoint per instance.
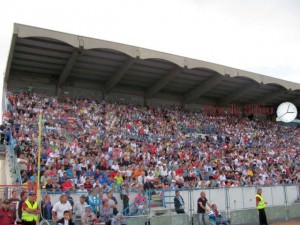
x,y
39,163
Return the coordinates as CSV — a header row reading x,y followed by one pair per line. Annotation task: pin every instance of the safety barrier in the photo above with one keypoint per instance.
x,y
237,203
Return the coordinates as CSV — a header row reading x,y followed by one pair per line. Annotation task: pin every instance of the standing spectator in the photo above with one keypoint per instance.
x,y
149,187
178,203
125,199
140,199
23,162
46,207
60,207
14,202
112,202
94,201
201,207
66,219
139,202
6,215
79,208
23,197
30,210
261,205
106,212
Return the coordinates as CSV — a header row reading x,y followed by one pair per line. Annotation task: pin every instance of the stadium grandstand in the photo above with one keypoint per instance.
x,y
88,117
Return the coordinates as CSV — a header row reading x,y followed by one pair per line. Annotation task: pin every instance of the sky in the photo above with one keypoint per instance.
x,y
253,35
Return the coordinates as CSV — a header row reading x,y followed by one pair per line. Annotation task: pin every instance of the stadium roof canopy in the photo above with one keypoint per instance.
x,y
59,61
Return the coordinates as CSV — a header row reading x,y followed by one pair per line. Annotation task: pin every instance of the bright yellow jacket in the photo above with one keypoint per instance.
x,y
29,216
261,204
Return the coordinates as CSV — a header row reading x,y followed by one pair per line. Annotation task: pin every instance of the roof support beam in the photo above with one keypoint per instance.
x,y
10,57
112,82
271,96
67,69
295,100
236,94
161,83
202,88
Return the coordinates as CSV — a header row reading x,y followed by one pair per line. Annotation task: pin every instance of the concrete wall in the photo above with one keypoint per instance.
x,y
236,203
273,213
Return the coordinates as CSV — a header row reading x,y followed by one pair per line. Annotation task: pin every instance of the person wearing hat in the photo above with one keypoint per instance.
x,y
79,207
30,210
6,214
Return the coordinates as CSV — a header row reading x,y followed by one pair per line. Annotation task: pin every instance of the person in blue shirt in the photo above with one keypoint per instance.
x,y
178,203
94,201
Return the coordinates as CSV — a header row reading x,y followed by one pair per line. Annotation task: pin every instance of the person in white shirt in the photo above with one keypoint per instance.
x,y
60,207
115,166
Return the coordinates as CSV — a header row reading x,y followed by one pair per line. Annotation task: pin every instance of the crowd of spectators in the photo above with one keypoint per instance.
x,y
88,143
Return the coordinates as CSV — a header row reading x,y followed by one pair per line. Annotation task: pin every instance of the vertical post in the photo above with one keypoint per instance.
x,y
190,207
243,198
286,203
227,200
39,163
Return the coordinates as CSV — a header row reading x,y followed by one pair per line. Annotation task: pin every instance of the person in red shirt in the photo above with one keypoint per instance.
x,y
6,214
87,184
67,185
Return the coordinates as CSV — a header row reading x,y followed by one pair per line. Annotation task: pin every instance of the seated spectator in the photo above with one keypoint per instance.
x,y
49,185
67,185
118,220
88,217
87,184
215,216
85,138
81,189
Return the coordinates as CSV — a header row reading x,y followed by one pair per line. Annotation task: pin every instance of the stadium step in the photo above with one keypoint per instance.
x,y
156,201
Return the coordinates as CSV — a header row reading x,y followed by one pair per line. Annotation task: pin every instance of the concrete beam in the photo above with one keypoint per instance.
x,y
10,57
67,69
112,82
202,88
271,96
161,83
295,100
236,94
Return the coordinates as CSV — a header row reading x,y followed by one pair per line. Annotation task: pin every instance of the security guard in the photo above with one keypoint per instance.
x,y
261,205
30,210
